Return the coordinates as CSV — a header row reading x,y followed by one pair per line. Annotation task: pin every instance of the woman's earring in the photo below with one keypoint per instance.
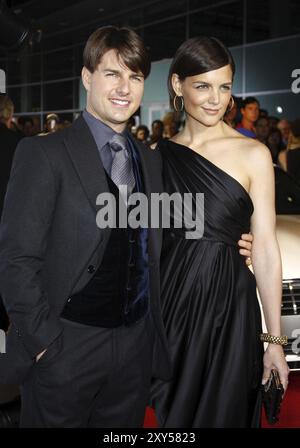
x,y
175,105
232,103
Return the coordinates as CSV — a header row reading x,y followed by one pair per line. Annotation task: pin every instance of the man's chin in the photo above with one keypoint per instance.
x,y
122,116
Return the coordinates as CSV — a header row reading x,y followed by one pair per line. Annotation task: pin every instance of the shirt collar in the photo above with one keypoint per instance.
x,y
101,132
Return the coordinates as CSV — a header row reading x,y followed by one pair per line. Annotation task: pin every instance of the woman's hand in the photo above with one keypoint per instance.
x,y
274,359
245,246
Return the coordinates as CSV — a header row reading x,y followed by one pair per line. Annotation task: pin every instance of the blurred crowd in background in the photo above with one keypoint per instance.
x,y
281,136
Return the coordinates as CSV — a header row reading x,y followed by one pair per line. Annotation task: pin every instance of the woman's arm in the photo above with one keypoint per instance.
x,y
266,258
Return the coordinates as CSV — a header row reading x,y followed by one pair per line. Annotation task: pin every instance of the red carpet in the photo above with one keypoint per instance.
x,y
150,419
289,415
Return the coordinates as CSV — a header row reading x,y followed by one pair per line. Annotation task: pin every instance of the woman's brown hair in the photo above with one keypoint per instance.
x,y
196,56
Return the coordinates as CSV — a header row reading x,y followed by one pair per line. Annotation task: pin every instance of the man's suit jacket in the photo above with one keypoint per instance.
x,y
8,143
49,239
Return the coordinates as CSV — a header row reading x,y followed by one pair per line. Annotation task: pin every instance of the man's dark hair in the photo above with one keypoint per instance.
x,y
144,128
128,45
249,100
264,113
25,119
199,55
159,122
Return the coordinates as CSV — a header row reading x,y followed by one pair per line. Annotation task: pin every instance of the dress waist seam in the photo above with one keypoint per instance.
x,y
212,240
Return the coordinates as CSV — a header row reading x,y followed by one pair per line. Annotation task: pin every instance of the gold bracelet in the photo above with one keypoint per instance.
x,y
279,340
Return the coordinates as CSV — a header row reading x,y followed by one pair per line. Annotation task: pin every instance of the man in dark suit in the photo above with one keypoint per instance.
x,y
86,334
8,143
84,301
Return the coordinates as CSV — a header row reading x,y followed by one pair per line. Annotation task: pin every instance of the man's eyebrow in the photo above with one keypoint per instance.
x,y
111,70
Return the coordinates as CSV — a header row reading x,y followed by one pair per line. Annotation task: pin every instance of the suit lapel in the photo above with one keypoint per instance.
x,y
152,179
85,156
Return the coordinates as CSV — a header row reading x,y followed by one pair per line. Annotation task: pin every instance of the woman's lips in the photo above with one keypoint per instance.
x,y
211,111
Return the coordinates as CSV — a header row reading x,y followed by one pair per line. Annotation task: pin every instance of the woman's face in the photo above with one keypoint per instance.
x,y
205,96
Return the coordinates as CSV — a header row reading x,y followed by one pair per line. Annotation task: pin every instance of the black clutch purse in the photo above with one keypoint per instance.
x,y
272,394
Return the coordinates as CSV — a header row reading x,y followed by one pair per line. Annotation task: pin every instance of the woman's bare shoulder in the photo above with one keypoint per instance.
x,y
252,147
251,153
235,140
257,151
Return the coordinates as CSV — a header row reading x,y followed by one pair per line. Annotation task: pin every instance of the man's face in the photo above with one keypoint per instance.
x,y
28,129
51,125
285,128
157,129
141,135
114,92
251,112
262,128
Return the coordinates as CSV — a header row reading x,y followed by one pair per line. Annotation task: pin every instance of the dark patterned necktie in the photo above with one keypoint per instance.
x,y
121,168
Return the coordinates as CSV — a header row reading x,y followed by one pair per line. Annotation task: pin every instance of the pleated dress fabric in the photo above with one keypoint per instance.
x,y
209,304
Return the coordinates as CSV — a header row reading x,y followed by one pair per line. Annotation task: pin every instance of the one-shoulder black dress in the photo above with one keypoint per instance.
x,y
209,304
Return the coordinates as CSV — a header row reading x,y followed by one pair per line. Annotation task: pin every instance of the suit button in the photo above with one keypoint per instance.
x,y
91,269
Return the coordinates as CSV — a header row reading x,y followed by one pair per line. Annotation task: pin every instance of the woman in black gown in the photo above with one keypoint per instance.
x,y
209,303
